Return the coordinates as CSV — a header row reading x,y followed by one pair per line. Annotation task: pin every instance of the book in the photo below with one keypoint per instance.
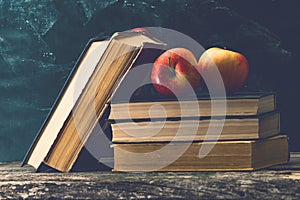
x,y
236,105
196,129
243,155
82,103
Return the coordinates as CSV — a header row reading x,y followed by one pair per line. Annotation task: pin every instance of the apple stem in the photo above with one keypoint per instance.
x,y
169,61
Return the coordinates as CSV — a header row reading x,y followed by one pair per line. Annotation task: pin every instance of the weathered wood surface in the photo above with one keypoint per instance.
x,y
276,183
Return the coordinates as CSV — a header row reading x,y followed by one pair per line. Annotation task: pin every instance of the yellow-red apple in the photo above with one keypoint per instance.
x,y
233,67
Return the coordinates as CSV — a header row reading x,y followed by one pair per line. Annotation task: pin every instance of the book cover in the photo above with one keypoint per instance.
x,y
85,57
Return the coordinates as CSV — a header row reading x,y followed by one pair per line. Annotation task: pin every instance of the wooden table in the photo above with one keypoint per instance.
x,y
280,182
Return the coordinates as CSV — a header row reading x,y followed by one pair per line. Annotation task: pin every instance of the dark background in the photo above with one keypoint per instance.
x,y
41,40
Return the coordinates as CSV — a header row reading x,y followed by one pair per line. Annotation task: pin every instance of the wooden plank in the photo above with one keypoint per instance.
x,y
17,182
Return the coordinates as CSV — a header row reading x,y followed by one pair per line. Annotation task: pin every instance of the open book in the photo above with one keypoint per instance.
x,y
77,115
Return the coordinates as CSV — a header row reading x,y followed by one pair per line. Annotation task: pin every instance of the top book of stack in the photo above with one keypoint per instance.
x,y
241,104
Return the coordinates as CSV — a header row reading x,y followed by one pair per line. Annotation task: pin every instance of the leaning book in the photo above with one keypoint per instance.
x,y
82,104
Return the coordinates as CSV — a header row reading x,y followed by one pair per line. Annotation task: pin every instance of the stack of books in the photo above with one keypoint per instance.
x,y
246,138
77,135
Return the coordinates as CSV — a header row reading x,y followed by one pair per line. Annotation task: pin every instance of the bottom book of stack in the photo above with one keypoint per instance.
x,y
242,155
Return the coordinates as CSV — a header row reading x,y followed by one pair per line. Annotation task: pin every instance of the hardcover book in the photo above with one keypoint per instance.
x,y
233,128
243,155
82,103
236,105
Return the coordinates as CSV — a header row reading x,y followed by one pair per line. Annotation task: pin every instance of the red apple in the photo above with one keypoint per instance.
x,y
140,29
175,72
233,67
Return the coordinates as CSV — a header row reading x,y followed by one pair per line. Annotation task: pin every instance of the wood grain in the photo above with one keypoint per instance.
x,y
280,182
